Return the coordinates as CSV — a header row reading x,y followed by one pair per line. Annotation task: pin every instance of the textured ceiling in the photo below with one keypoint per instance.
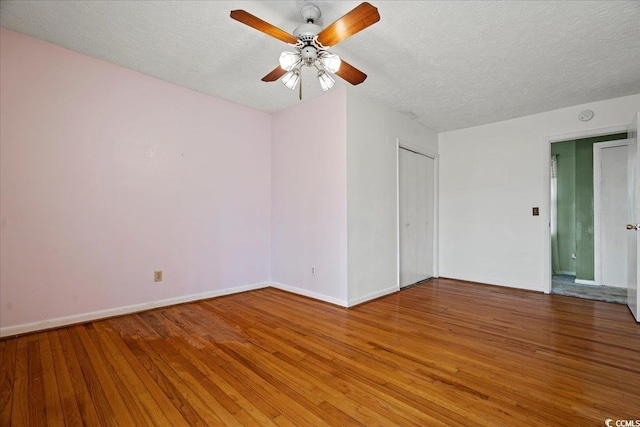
x,y
446,64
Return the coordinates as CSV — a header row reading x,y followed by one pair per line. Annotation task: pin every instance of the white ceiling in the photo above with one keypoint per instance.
x,y
446,64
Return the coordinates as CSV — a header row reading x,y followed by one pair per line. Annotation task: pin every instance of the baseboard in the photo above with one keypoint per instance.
x,y
310,294
372,296
585,282
118,311
494,282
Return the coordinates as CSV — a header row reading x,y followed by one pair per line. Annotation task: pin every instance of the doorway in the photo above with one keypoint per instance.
x,y
416,213
574,254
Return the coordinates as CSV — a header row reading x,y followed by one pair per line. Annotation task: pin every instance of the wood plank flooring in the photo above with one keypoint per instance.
x,y
440,353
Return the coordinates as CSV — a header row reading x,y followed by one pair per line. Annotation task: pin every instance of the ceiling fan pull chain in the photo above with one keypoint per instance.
x,y
300,93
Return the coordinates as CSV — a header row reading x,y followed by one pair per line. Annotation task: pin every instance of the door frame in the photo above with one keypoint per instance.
x,y
546,190
597,190
633,171
400,143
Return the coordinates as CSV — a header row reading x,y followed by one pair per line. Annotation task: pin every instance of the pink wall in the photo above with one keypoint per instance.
x,y
309,198
108,175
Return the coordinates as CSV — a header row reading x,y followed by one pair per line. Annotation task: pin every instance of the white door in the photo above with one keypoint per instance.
x,y
633,219
416,212
424,216
610,212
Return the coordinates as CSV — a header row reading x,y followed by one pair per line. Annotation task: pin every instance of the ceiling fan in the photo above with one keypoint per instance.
x,y
312,44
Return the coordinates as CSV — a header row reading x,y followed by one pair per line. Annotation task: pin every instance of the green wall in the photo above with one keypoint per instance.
x,y
575,213
566,158
584,210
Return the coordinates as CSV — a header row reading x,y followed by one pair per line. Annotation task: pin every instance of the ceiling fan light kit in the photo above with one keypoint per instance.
x,y
326,81
291,79
330,61
311,44
288,60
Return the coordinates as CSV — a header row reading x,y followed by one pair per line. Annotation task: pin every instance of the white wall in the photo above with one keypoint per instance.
x,y
108,175
334,196
309,198
372,191
490,178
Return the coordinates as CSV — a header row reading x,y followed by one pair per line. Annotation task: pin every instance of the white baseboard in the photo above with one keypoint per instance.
x,y
495,282
373,295
111,312
118,311
310,294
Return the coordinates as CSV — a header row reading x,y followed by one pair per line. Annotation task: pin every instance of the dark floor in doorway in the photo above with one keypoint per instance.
x,y
417,283
565,285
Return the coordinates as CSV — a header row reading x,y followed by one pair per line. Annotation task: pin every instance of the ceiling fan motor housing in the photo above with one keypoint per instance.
x,y
306,33
308,30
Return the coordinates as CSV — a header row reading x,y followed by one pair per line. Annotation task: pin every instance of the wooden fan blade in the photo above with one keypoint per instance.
x,y
357,20
350,73
263,26
274,75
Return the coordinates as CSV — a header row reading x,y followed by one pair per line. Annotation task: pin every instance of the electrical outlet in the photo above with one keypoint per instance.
x,y
157,276
313,271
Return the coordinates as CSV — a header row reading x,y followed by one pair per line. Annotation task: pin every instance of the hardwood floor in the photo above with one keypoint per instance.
x,y
440,353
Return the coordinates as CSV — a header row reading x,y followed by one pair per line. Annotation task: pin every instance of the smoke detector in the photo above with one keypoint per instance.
x,y
585,115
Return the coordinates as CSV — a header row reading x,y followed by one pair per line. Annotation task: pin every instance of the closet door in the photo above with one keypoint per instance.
x,y
424,217
408,189
416,181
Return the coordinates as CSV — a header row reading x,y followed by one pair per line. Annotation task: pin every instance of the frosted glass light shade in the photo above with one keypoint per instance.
x,y
288,60
331,62
290,79
326,82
